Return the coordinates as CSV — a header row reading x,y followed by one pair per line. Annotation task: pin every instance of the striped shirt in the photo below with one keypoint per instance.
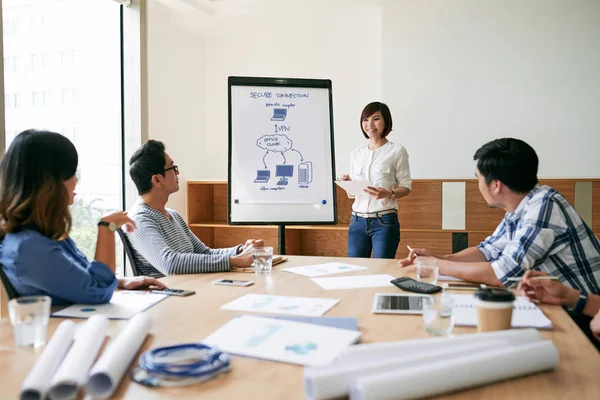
x,y
166,246
545,233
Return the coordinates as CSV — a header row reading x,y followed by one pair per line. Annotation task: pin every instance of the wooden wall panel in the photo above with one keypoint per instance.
x,y
344,206
220,203
199,203
324,243
563,186
479,215
596,208
228,237
476,238
436,242
293,242
206,235
422,208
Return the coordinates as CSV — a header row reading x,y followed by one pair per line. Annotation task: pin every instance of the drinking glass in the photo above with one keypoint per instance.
x,y
437,315
29,317
263,260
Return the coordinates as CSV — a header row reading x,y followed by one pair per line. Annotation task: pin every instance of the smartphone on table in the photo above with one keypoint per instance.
x,y
232,282
174,292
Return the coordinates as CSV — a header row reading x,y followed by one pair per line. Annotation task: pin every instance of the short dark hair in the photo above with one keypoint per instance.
x,y
147,161
371,109
32,183
510,161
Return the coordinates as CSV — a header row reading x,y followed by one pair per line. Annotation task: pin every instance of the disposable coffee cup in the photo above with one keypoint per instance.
x,y
494,309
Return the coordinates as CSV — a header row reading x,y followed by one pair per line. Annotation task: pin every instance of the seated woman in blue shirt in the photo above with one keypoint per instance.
x,y
37,183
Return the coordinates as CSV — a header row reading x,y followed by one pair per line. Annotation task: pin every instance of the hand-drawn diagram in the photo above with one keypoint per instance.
x,y
279,114
281,143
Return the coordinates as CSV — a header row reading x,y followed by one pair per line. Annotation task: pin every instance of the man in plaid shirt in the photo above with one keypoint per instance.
x,y
540,231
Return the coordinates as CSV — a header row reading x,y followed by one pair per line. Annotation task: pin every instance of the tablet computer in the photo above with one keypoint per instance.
x,y
390,303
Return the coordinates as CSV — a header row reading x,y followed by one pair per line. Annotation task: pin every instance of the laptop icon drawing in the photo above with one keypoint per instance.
x,y
279,114
262,176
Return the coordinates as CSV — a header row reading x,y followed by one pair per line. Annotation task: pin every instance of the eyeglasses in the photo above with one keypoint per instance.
x,y
174,168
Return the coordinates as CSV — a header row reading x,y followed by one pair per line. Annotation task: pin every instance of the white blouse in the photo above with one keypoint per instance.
x,y
385,167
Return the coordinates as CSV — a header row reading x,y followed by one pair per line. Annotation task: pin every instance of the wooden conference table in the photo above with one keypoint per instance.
x,y
190,319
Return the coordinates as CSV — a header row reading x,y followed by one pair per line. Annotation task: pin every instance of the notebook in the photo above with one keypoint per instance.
x,y
526,314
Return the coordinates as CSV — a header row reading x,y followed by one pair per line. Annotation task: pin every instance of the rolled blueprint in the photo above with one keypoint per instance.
x,y
379,351
108,371
333,381
435,378
37,382
72,372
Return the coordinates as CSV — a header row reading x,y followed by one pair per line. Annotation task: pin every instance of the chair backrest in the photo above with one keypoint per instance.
x,y
128,251
10,290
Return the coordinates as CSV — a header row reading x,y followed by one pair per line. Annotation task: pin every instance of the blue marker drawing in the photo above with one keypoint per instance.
x,y
301,156
275,143
283,172
302,349
279,114
262,176
257,340
305,173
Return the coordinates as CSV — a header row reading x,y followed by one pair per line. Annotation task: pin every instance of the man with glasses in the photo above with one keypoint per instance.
x,y
163,243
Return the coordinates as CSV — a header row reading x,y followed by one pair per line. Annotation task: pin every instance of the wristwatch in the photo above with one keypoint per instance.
x,y
110,225
393,196
580,305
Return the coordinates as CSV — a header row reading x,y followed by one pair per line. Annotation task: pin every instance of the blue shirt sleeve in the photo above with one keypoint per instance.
x,y
41,263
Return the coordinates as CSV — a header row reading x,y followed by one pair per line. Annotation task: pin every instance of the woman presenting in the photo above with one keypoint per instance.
x,y
374,225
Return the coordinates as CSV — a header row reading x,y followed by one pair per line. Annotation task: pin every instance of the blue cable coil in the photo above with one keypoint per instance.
x,y
179,365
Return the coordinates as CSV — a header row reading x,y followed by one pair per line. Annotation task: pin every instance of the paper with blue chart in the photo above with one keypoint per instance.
x,y
123,305
282,150
261,303
324,269
279,340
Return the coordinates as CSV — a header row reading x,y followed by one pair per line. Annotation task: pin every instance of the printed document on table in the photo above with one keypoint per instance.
x,y
279,340
353,282
324,269
123,305
308,306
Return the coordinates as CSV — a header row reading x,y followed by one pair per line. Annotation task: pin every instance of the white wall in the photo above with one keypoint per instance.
x,y
336,39
463,72
176,94
456,74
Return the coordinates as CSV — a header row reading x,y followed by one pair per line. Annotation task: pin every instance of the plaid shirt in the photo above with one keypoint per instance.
x,y
545,233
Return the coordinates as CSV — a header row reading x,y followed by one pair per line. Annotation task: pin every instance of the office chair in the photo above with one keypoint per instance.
x,y
128,251
10,290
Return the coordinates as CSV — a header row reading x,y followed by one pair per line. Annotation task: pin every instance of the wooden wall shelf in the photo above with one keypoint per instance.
x,y
420,215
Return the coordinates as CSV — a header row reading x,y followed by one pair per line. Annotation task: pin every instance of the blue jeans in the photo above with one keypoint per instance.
x,y
380,235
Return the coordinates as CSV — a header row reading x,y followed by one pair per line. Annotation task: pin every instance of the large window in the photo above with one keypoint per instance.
x,y
62,72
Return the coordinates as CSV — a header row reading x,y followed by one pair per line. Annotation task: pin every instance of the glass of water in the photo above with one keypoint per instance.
x,y
437,314
263,260
427,270
29,318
